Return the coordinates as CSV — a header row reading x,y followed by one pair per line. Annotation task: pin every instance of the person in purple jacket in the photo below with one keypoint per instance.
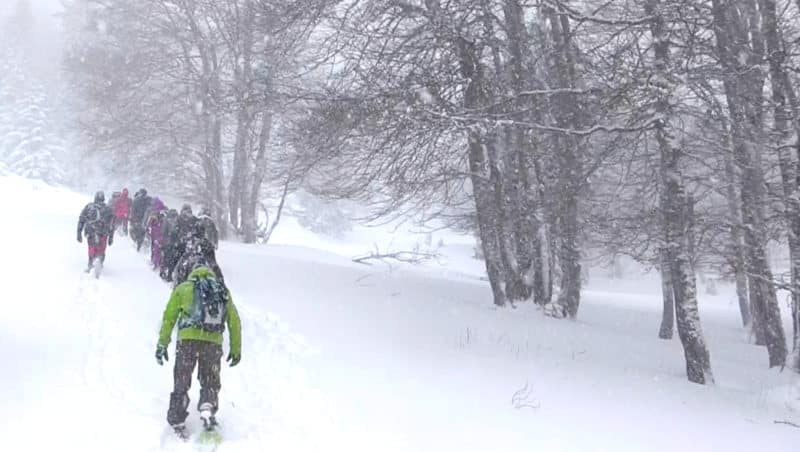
x,y
155,227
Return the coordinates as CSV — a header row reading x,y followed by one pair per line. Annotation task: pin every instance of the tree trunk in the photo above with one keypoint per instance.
x,y
240,147
570,170
249,211
782,138
487,218
542,255
691,239
569,296
526,224
736,245
698,363
218,184
242,50
211,118
503,148
744,118
482,187
667,327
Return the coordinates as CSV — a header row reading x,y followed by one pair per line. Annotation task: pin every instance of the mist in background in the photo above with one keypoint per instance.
x,y
35,131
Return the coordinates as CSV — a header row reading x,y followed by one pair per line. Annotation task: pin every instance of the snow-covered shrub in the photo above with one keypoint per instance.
x,y
30,139
324,217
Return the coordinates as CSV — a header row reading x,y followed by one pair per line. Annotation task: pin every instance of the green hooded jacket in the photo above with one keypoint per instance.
x,y
178,306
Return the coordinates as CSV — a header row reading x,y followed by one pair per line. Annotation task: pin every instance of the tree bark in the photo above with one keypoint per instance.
x,y
736,245
675,221
782,139
211,117
242,50
249,211
744,119
570,169
526,225
667,327
482,187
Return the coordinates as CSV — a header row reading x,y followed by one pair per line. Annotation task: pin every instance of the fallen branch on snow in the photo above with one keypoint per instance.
x,y
411,257
792,424
524,398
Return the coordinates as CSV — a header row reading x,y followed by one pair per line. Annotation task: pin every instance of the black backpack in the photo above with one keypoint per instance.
x,y
95,222
208,309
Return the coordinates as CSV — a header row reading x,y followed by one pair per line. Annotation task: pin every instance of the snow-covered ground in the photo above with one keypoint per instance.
x,y
344,356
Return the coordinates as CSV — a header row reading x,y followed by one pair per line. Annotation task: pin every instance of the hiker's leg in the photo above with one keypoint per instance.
x,y
185,358
101,247
210,357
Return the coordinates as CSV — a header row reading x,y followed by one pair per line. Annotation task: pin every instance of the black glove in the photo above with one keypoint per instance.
x,y
233,359
80,238
161,354
110,240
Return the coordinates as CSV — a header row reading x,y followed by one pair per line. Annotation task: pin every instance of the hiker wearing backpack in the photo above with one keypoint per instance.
x,y
114,200
209,227
198,250
180,233
169,223
122,210
141,202
96,222
202,307
155,229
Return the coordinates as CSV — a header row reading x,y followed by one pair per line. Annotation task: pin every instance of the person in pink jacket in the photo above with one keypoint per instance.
x,y
122,210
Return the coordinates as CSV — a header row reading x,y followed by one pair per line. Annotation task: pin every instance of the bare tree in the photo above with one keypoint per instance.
x,y
674,201
744,107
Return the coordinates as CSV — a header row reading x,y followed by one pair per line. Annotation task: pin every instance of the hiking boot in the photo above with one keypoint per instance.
x,y
181,431
206,414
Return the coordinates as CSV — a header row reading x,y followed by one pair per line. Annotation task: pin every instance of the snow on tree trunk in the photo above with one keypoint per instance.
x,y
667,327
674,217
239,169
242,49
745,125
736,245
482,188
570,171
539,268
523,204
249,210
214,175
569,257
487,218
784,141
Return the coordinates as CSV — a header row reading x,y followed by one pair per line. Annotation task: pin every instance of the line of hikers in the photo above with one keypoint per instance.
x,y
183,250
177,241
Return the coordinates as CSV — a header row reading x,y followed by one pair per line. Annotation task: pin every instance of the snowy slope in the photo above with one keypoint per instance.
x,y
342,356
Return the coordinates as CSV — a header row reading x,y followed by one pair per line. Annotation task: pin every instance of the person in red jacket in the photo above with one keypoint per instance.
x,y
122,210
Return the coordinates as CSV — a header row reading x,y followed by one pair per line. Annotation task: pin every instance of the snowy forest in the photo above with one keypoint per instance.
x,y
665,130
561,134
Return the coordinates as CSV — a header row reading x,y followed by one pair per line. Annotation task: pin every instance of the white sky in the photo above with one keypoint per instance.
x,y
38,5
43,9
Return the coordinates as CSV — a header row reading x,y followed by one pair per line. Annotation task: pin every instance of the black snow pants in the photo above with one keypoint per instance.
x,y
208,356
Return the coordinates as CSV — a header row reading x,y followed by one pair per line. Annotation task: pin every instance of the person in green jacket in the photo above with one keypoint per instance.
x,y
198,343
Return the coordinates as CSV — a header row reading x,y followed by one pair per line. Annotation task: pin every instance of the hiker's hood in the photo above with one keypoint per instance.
x,y
158,205
202,272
